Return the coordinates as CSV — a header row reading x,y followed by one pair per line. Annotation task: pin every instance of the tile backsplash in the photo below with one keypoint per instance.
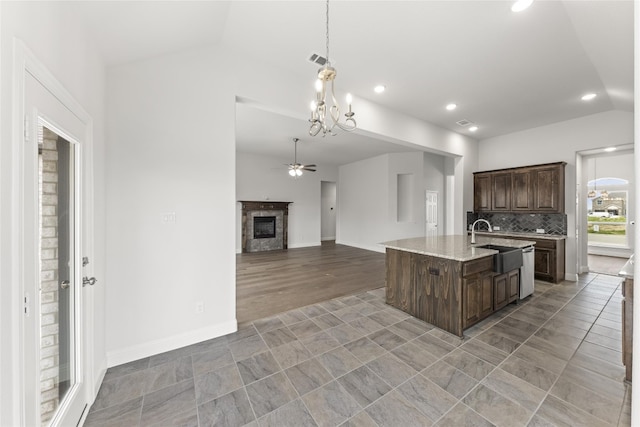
x,y
522,222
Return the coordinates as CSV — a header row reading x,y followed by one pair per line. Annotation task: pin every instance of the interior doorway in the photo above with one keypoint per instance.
x,y
431,213
327,210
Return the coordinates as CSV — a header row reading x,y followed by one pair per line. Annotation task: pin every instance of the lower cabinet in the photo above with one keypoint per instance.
x,y
549,261
505,288
477,302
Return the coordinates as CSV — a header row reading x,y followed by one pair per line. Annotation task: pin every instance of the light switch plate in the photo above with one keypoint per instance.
x,y
540,230
496,228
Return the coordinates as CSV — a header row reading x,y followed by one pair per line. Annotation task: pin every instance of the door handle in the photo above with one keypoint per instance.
x,y
64,284
88,281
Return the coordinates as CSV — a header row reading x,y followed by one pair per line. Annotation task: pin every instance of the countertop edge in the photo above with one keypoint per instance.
x,y
464,252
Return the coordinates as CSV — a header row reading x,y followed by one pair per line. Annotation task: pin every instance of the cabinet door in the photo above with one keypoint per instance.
x,y
514,285
481,192
548,184
486,295
522,195
471,301
544,263
500,293
501,191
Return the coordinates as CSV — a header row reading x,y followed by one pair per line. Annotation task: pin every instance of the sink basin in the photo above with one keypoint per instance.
x,y
506,259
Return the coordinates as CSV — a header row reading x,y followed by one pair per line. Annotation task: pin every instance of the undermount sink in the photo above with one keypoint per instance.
x,y
506,259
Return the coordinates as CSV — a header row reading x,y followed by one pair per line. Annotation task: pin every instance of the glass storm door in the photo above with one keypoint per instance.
x,y
54,349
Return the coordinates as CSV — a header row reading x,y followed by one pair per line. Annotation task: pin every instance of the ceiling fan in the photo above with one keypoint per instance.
x,y
295,168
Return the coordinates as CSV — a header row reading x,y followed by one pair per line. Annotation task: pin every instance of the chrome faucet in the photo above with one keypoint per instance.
x,y
473,229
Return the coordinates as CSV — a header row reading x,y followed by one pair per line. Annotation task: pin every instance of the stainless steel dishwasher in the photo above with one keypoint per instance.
x,y
527,272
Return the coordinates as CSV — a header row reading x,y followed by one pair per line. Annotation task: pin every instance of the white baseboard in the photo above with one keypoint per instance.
x,y
303,245
324,239
369,247
129,354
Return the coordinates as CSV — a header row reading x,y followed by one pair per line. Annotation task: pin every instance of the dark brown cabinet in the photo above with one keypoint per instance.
x,y
522,191
549,258
534,189
548,188
478,298
482,193
501,192
505,288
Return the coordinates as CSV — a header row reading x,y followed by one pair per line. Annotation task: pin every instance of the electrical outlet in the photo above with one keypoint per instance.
x,y
540,230
199,307
169,218
496,228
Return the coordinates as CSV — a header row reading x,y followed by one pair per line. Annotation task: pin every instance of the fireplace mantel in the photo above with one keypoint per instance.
x,y
252,208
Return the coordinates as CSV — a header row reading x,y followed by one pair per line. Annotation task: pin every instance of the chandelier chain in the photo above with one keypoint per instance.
x,y
327,31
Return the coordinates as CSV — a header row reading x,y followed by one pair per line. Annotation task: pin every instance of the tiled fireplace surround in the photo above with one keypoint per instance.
x,y
251,209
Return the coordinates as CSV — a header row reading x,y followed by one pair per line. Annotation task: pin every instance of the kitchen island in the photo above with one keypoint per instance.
x,y
448,282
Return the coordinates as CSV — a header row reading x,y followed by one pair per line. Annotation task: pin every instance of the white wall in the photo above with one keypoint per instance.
x,y
261,177
171,132
367,200
555,143
328,209
71,57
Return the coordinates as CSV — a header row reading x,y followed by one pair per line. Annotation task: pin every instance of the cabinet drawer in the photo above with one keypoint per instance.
x,y
545,243
477,266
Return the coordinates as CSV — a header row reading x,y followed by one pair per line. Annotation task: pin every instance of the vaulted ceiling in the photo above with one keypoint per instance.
x,y
506,71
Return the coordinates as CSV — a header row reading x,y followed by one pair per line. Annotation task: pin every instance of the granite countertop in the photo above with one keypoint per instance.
x,y
627,269
456,247
516,234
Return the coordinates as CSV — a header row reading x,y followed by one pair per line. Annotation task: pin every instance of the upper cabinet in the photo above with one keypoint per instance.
x,y
536,189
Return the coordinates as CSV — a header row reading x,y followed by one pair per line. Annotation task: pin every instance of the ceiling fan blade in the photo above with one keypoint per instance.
x,y
310,170
308,166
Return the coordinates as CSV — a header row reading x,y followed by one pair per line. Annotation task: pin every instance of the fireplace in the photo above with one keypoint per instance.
x,y
264,227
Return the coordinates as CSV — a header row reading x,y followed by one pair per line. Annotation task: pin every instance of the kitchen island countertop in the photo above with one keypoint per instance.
x,y
454,247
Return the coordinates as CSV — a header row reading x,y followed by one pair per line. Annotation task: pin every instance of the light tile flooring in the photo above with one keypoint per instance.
x,y
554,359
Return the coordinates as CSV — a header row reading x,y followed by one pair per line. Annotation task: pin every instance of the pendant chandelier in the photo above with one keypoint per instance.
x,y
325,117
594,193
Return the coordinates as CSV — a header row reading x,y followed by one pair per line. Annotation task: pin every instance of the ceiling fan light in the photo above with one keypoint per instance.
x,y
298,172
292,172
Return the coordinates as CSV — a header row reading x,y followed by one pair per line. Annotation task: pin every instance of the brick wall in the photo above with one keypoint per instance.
x,y
49,335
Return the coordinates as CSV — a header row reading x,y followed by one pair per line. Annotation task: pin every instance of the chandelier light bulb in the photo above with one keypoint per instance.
x,y
349,99
318,85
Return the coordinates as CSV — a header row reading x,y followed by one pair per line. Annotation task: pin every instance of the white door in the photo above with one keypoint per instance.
x,y
431,213
55,239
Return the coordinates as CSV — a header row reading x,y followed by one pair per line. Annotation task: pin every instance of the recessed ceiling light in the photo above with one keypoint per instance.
x,y
610,149
379,88
521,5
473,128
451,107
589,96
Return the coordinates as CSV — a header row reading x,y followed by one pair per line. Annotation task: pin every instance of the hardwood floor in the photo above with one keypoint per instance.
x,y
273,282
